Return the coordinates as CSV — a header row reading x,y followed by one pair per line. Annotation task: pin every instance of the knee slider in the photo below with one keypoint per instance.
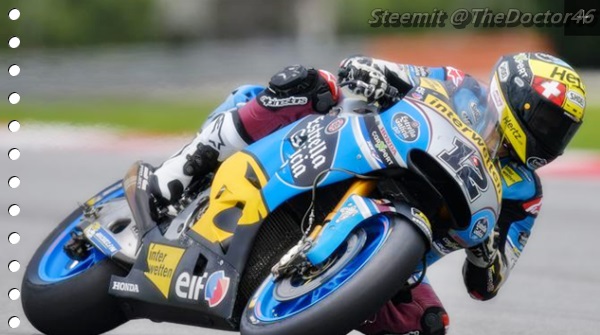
x,y
435,321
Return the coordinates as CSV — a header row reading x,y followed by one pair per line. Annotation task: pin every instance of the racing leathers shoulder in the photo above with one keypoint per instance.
x,y
292,93
485,272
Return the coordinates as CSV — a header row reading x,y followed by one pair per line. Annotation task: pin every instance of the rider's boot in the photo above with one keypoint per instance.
x,y
170,179
415,312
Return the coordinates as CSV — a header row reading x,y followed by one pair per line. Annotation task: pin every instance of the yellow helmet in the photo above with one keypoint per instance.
x,y
540,100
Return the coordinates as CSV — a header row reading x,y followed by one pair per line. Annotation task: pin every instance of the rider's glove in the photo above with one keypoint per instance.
x,y
483,255
485,269
296,85
364,78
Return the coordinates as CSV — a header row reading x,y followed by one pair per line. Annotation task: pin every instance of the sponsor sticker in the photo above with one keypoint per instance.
x,y
520,60
346,212
455,75
536,162
519,81
217,287
188,286
523,238
383,149
548,58
143,175
420,217
312,150
446,245
125,287
162,261
282,102
576,98
510,176
420,71
514,133
405,127
480,228
102,239
533,206
335,125
503,71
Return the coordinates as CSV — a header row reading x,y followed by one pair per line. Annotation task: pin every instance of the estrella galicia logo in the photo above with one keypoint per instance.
x,y
310,147
216,288
405,127
480,228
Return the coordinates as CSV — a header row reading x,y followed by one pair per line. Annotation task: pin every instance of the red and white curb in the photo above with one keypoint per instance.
x,y
574,164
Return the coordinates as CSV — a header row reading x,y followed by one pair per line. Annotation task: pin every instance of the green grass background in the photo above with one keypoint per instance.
x,y
169,117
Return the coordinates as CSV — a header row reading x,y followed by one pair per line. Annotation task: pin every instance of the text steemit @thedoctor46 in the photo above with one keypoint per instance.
x,y
479,17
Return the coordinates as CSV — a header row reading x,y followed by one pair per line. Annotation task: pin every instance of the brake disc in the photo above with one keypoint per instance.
x,y
294,286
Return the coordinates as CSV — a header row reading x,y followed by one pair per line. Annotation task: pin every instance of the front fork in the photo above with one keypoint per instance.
x,y
361,187
296,257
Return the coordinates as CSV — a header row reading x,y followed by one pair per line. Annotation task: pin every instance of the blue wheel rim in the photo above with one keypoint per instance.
x,y
268,309
55,265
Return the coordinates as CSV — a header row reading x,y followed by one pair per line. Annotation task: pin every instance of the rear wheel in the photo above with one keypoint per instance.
x,y
359,278
63,296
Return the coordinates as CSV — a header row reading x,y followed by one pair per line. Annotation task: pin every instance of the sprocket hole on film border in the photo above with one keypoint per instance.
x,y
14,294
14,238
14,14
14,70
14,182
14,126
14,42
14,154
14,322
14,210
14,266
14,98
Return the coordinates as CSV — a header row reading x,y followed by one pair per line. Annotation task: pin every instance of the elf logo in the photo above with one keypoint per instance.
x,y
188,286
216,288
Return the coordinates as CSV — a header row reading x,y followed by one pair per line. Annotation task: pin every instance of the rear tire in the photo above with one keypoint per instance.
x,y
77,305
358,298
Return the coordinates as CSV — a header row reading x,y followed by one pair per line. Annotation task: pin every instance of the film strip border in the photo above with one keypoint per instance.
x,y
13,154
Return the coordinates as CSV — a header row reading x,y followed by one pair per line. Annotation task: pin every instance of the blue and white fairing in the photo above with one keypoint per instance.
x,y
293,156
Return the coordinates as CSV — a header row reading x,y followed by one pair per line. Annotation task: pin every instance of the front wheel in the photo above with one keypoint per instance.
x,y
61,296
361,276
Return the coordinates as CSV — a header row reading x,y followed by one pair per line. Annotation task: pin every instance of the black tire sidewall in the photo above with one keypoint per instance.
x,y
78,305
361,296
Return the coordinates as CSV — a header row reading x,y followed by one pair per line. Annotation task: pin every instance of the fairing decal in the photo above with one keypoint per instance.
x,y
235,195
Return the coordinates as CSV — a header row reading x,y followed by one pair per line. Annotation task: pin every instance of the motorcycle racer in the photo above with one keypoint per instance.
x,y
539,101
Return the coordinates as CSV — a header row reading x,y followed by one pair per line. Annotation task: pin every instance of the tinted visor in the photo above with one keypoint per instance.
x,y
551,126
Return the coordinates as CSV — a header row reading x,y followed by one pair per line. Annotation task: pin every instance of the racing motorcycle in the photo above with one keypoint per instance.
x,y
307,231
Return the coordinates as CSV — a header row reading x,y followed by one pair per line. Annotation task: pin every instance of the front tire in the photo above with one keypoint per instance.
x,y
354,300
59,302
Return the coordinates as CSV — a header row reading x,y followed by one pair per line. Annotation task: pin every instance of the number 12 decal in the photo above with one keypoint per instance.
x,y
468,167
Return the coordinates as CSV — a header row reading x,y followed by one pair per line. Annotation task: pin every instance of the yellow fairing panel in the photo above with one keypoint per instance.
x,y
236,186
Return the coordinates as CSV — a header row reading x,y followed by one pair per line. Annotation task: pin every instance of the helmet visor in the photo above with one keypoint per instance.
x,y
551,126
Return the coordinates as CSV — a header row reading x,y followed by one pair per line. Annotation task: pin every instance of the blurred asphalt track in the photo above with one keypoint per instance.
x,y
553,290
